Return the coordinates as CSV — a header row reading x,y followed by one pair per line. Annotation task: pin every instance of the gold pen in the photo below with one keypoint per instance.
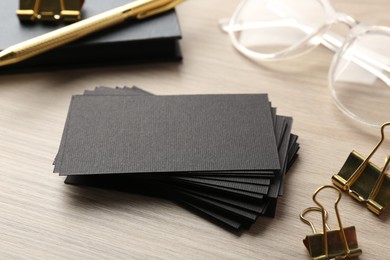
x,y
138,9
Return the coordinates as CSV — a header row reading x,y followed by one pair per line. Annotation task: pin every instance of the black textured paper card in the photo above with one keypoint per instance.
x,y
167,134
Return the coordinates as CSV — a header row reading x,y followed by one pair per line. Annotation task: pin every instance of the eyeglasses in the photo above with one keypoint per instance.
x,y
359,76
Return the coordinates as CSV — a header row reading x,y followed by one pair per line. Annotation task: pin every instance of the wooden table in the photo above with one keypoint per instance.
x,y
42,218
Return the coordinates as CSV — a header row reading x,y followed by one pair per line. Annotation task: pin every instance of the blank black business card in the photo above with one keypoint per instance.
x,y
168,134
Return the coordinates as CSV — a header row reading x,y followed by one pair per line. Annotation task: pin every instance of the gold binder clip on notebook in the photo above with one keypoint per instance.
x,y
365,181
339,243
49,10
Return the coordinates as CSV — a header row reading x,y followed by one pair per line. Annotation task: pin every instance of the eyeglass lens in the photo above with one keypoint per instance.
x,y
269,27
359,79
359,75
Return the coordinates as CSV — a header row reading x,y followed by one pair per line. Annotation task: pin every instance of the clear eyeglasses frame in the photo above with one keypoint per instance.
x,y
359,75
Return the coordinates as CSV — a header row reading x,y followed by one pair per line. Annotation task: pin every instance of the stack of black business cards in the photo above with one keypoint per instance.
x,y
223,156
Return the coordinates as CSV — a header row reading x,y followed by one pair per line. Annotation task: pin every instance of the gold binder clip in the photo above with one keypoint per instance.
x,y
365,181
340,243
49,10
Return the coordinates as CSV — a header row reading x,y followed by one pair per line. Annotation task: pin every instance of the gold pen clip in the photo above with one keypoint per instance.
x,y
160,9
365,181
49,10
339,243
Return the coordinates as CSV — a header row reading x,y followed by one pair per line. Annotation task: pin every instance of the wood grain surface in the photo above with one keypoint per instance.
x,y
42,218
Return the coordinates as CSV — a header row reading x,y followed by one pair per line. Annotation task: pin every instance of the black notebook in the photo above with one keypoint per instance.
x,y
153,39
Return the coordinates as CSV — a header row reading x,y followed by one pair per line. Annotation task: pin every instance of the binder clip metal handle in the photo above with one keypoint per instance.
x,y
308,222
340,243
379,197
49,10
365,181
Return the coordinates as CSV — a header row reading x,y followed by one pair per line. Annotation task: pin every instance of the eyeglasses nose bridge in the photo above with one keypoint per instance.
x,y
346,19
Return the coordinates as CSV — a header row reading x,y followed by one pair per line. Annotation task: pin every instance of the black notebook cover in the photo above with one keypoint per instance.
x,y
152,39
